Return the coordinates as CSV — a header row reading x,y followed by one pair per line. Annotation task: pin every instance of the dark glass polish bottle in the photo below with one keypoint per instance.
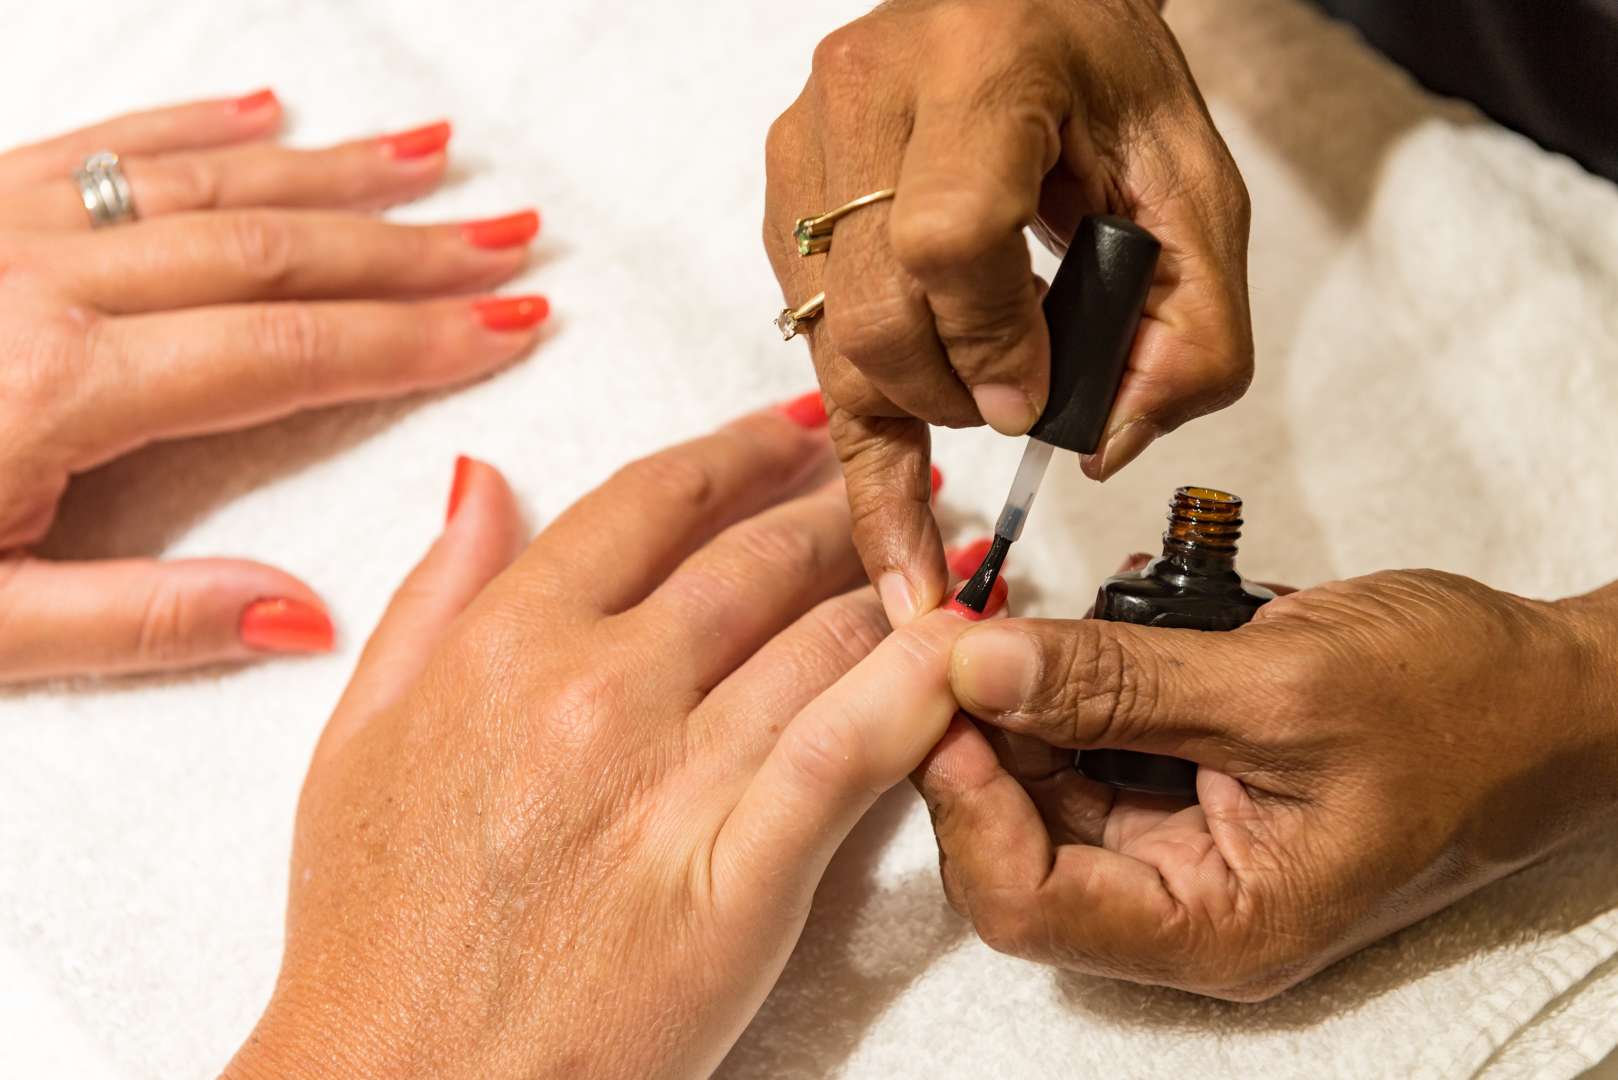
x,y
1193,585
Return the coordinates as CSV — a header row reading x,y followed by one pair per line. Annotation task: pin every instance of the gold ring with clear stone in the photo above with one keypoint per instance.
x,y
813,234
791,319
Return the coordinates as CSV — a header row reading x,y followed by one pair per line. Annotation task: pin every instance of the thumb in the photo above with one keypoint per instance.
x,y
121,616
483,533
1089,684
890,487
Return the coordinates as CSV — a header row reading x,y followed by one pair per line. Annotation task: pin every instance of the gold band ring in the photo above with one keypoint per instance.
x,y
791,319
813,234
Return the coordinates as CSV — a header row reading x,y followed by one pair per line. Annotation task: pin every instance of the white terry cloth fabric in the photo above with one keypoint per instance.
x,y
1438,370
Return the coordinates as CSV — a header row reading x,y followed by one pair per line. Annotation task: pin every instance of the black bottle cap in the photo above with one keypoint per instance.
x,y
1093,310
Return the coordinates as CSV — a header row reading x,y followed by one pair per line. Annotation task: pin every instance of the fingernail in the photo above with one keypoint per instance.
x,y
1123,446
937,480
512,312
418,142
1005,408
258,99
808,411
285,626
457,486
997,600
898,598
964,561
994,669
502,232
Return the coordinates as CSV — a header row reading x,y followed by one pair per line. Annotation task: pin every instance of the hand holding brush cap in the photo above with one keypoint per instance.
x,y
1093,310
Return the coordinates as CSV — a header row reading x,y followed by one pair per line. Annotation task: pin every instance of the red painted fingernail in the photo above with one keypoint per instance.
x,y
997,600
258,99
502,232
457,486
938,480
808,411
418,142
512,312
964,561
285,626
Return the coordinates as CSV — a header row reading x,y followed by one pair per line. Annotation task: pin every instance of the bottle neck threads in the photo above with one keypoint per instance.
x,y
1204,525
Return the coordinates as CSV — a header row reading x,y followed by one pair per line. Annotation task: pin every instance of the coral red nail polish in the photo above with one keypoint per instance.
x,y
457,487
997,600
937,480
258,99
418,142
502,232
964,561
807,411
512,312
285,626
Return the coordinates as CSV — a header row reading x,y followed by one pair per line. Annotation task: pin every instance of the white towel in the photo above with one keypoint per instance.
x,y
1438,371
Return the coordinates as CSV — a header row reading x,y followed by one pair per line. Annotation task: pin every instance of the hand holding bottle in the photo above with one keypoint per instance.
x,y
1370,751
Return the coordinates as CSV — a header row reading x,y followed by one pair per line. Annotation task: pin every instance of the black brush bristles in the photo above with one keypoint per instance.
x,y
975,593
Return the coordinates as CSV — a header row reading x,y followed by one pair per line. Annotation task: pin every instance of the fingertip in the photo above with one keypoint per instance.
x,y
481,500
283,625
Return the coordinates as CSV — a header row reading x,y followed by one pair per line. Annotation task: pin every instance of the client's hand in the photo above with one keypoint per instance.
x,y
986,117
568,818
1371,751
252,286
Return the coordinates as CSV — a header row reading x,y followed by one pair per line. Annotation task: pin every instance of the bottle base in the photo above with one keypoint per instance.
x,y
1152,774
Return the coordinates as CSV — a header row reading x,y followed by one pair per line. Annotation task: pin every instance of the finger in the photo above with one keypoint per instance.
x,y
183,373
969,186
367,174
721,605
191,260
782,678
193,126
483,532
1075,809
138,615
889,481
1105,684
1194,352
859,738
978,808
624,538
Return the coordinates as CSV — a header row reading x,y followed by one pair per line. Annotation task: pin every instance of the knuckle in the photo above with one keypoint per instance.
x,y
848,55
297,341
873,333
673,476
827,753
160,633
853,393
192,182
852,627
780,551
1101,685
1007,925
936,234
262,247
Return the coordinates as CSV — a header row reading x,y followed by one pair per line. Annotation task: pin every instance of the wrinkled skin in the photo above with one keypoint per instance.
x,y
1370,750
989,116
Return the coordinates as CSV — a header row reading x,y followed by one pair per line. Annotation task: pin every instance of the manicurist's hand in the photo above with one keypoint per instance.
x,y
569,816
989,116
1370,751
252,284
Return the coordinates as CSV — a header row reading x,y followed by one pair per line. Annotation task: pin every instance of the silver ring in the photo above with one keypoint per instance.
x,y
104,190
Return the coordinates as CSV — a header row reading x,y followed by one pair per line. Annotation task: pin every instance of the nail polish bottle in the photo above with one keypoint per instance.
x,y
1193,585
